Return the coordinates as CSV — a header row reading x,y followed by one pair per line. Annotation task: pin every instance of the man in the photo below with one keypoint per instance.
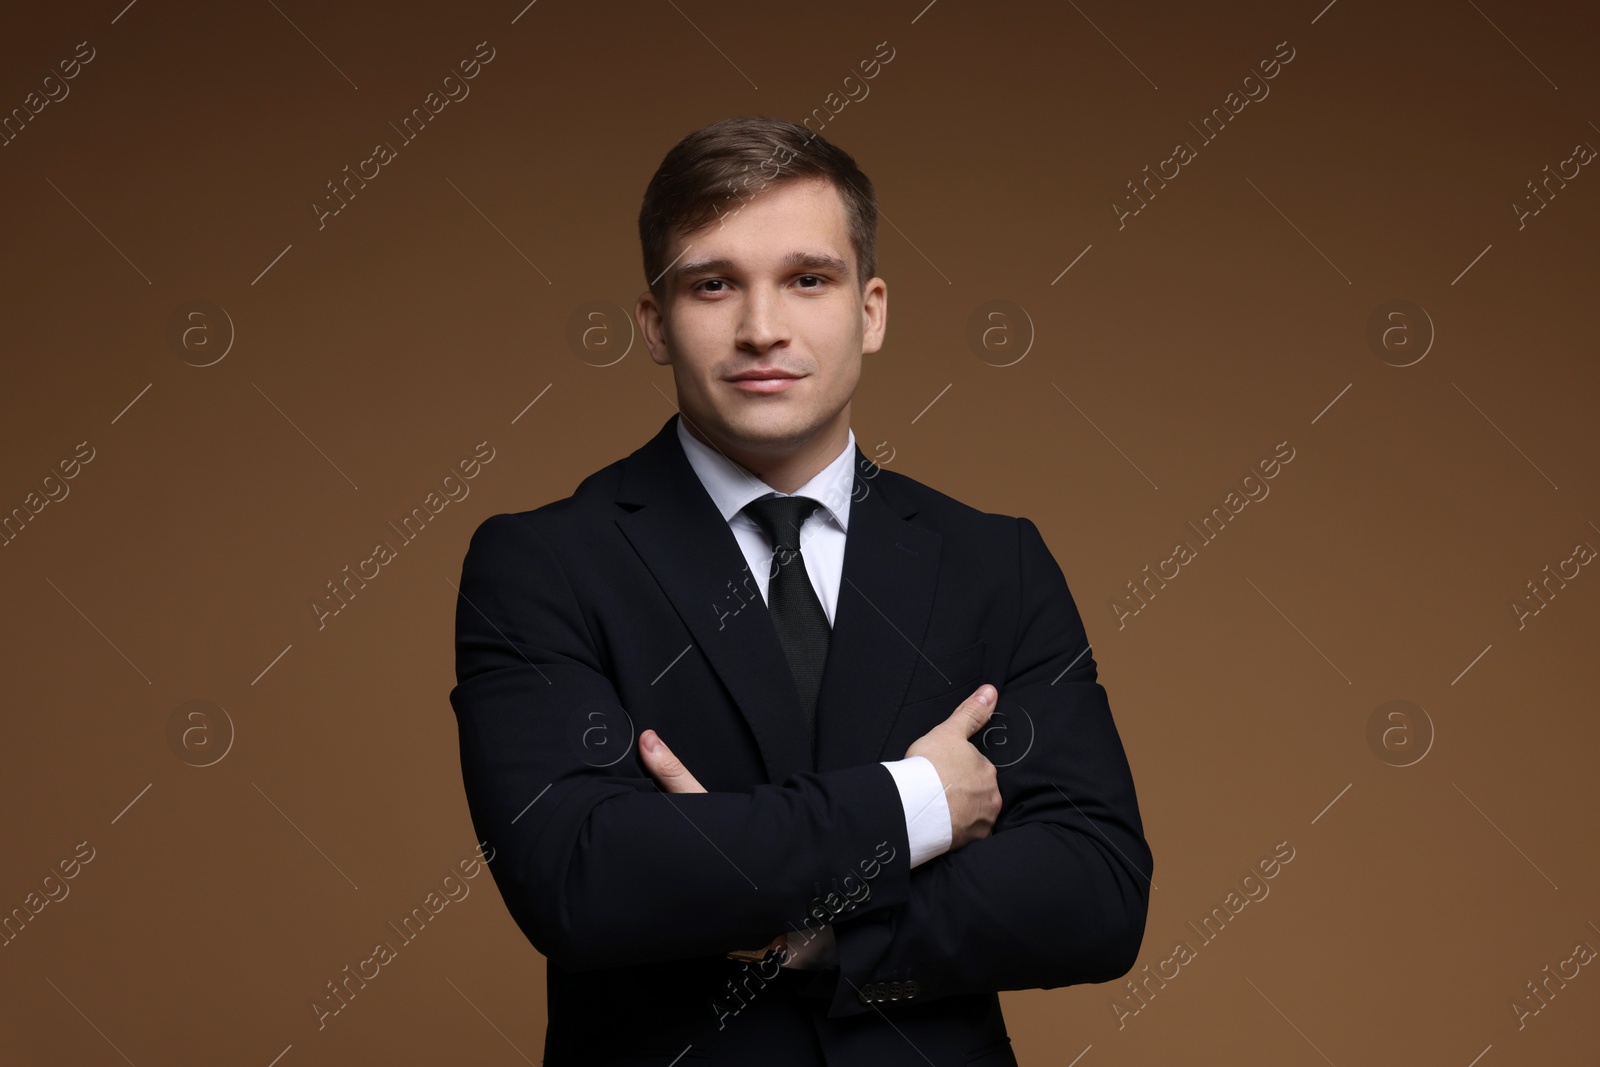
x,y
830,843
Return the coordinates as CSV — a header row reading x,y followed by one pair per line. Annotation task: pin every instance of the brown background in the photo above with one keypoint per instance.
x,y
370,356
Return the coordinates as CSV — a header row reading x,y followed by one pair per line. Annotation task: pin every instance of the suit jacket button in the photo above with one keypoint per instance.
x,y
912,989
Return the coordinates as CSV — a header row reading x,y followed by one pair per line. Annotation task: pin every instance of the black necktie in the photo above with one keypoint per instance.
x,y
791,599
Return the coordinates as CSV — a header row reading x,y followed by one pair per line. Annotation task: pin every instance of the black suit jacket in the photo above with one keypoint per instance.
x,y
628,606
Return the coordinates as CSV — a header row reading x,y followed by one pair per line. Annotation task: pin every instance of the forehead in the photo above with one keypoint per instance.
x,y
769,228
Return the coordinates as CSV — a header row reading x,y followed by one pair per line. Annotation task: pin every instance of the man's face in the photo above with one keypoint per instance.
x,y
769,287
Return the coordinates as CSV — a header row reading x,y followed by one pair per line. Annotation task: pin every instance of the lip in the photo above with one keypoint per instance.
x,y
770,382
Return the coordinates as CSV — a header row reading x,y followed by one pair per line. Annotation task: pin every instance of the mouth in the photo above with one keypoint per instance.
x,y
764,382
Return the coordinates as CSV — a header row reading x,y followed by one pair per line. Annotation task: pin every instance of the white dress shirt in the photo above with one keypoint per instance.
x,y
822,538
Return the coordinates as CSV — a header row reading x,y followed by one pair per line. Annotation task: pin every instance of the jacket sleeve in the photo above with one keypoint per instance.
x,y
596,864
1058,893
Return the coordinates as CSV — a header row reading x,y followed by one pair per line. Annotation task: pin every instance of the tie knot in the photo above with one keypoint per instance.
x,y
780,518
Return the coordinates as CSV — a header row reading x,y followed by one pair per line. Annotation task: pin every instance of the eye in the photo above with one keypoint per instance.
x,y
710,281
816,278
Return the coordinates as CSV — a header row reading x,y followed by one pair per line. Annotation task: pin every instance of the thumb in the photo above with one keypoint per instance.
x,y
970,716
668,770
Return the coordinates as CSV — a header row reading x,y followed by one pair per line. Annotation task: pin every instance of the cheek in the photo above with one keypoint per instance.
x,y
840,351
690,341
846,373
850,376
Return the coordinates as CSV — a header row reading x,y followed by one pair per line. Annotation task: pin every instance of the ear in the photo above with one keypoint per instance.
x,y
874,314
652,327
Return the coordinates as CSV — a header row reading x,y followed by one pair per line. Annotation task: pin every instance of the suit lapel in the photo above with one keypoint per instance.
x,y
694,557
879,623
885,597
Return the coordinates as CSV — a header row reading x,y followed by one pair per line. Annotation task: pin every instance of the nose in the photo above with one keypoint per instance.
x,y
762,323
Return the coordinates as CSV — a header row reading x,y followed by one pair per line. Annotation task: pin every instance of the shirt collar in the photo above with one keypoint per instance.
x,y
731,486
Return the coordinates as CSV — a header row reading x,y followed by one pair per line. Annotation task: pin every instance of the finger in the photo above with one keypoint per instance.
x,y
972,713
667,770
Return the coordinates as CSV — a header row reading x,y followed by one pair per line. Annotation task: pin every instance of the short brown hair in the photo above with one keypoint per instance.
x,y
714,169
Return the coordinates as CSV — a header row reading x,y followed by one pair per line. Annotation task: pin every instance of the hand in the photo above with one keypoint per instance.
x,y
972,788
819,953
668,770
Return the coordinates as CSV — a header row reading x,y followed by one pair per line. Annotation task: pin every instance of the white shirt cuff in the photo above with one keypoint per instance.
x,y
926,809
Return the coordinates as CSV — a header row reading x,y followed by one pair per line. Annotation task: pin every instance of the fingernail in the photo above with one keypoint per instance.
x,y
649,741
985,693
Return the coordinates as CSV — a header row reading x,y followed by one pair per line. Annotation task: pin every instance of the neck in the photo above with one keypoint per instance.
x,y
786,471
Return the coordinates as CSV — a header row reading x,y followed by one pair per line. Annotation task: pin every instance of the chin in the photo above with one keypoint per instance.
x,y
774,427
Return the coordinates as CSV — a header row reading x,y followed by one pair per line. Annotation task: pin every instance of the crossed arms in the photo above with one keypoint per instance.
x,y
601,868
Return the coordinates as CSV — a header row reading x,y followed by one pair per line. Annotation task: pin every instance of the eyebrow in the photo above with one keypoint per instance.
x,y
813,260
